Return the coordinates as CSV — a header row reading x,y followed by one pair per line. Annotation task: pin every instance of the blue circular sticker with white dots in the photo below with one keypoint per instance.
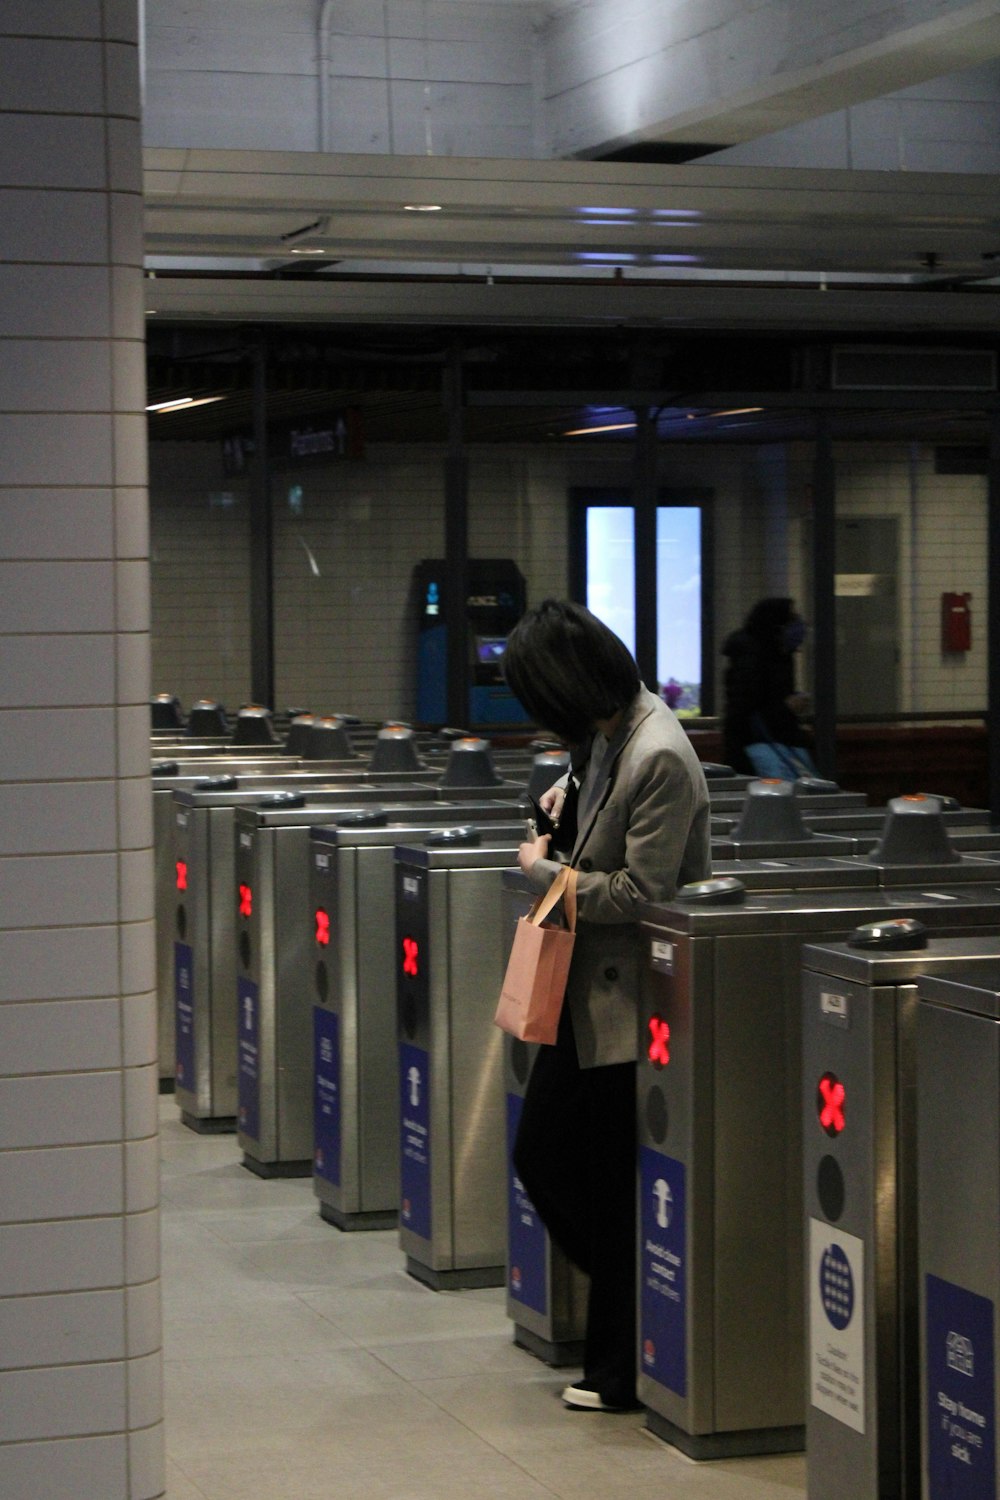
x,y
836,1286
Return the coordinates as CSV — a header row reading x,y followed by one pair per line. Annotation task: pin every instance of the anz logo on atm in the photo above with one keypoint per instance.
x,y
413,1082
664,1203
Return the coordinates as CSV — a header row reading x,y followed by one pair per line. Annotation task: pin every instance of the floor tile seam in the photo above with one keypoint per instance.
x,y
486,1441
186,1478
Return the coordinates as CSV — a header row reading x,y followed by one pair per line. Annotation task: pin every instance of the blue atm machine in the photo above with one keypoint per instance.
x,y
496,601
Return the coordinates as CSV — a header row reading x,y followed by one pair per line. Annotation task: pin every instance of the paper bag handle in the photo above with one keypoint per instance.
x,y
563,885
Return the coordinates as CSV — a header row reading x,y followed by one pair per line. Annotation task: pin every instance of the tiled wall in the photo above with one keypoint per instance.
x,y
80,1401
344,560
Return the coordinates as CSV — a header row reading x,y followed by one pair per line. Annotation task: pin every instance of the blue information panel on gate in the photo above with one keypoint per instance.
x,y
184,1016
326,1094
248,1077
415,1140
526,1237
961,1420
662,1263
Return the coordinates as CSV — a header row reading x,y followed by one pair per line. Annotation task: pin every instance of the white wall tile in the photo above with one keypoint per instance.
x,y
43,818
57,523
130,443
142,1175
67,1036
53,1257
71,1328
121,21
133,669
62,1183
52,151
62,18
121,61
60,375
133,737
124,158
92,1468
127,232
61,1109
58,743
135,874
38,597
53,227
58,890
132,581
42,75
135,813
142,1247
147,1463
56,450
139,1030
137,942
53,670
131,523
142,1102
145,1390
145,1327
71,301
128,321
128,366
67,1402
58,963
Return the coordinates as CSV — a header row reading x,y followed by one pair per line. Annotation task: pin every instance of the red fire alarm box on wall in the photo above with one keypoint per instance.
x,y
956,622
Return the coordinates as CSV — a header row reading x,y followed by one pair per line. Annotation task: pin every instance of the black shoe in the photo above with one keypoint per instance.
x,y
586,1397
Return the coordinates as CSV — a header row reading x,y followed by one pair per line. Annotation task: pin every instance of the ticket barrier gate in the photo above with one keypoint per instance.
x,y
859,1101
722,1346
351,976
958,1189
276,932
450,961
546,1293
204,924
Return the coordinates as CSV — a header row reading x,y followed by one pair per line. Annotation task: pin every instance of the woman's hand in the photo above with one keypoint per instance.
x,y
551,802
535,849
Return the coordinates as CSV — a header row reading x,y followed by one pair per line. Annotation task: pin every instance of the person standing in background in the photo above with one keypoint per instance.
x,y
761,732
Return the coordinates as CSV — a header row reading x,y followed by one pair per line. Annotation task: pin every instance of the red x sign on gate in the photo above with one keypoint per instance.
x,y
830,1096
322,927
246,901
659,1049
410,956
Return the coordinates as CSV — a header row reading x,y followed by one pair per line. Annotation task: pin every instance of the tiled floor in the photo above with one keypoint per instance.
x,y
302,1363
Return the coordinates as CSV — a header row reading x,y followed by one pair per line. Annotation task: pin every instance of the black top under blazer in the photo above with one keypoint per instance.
x,y
645,832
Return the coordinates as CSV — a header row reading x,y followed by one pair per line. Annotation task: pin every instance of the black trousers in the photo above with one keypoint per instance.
x,y
576,1156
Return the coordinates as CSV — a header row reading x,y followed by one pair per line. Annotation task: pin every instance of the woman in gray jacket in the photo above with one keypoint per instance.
x,y
633,819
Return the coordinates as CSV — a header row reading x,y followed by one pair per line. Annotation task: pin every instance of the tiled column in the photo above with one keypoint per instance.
x,y
80,1386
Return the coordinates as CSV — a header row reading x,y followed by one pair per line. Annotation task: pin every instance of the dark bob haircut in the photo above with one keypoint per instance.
x,y
568,669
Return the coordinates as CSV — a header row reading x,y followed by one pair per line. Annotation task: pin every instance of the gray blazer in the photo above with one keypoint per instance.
x,y
646,832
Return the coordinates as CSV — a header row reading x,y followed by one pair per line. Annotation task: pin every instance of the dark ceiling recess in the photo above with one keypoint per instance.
x,y
393,378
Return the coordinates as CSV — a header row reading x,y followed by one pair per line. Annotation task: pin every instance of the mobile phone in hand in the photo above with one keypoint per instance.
x,y
541,819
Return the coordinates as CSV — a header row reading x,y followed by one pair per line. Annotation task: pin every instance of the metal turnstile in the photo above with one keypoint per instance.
x,y
275,976
450,960
722,1345
206,905
546,1293
958,1148
859,1178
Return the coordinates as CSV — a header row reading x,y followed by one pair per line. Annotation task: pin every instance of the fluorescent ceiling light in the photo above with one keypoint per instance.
x,y
183,403
422,208
609,427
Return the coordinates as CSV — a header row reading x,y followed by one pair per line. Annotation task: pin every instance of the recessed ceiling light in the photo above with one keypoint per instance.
x,y
422,208
318,251
183,403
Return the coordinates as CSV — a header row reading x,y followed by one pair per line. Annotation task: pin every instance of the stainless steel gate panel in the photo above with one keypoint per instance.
x,y
741,1214
859,1106
352,980
451,958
